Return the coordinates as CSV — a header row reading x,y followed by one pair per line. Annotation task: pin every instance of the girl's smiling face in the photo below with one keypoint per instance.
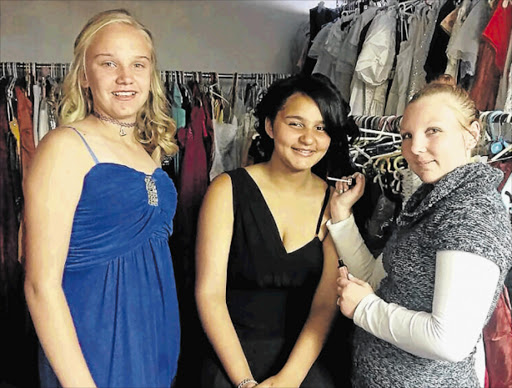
x,y
118,71
300,139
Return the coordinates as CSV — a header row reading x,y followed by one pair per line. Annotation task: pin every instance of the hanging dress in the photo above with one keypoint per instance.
x,y
119,280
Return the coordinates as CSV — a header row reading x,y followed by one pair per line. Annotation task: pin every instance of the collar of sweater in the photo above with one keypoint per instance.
x,y
465,180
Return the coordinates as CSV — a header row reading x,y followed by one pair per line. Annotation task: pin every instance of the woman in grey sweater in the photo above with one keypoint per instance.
x,y
420,307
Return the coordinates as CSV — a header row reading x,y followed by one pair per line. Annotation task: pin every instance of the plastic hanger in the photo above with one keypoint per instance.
x,y
360,151
382,133
497,157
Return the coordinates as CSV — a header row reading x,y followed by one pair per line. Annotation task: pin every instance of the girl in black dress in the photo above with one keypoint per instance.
x,y
266,266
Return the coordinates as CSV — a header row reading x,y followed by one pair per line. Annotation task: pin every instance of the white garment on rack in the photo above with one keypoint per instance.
x,y
318,43
330,50
43,122
426,31
246,132
239,112
336,36
346,60
36,89
224,157
373,67
397,98
465,44
452,65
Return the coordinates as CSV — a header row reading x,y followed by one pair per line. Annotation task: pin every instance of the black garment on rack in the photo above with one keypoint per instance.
x,y
18,343
318,17
435,64
362,37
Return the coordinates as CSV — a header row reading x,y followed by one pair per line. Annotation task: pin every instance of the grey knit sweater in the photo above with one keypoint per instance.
x,y
462,212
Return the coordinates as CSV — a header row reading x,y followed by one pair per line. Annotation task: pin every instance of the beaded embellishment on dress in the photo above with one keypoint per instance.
x,y
151,189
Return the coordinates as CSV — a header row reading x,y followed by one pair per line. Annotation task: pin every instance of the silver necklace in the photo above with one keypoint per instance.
x,y
109,119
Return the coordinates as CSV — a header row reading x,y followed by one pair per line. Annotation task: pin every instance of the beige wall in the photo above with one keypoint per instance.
x,y
211,35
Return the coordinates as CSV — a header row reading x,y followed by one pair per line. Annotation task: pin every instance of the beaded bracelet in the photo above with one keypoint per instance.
x,y
244,382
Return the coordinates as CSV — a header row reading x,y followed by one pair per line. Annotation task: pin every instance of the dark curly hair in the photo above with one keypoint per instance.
x,y
335,112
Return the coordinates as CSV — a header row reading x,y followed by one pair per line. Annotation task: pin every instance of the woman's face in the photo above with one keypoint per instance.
x,y
118,71
300,139
433,140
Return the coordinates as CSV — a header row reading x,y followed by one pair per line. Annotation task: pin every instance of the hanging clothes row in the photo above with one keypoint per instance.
x,y
16,145
41,84
59,70
381,54
215,127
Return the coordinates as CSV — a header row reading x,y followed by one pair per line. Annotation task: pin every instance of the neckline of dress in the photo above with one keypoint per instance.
x,y
126,167
276,233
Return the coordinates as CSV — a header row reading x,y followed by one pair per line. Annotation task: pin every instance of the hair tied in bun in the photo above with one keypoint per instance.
x,y
445,79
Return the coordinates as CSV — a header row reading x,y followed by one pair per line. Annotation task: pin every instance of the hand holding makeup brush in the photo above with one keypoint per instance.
x,y
348,191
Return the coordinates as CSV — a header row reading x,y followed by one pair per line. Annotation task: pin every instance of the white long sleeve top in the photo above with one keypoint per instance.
x,y
460,306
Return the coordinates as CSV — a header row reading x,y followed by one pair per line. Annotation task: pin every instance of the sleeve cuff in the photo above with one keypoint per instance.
x,y
340,225
362,309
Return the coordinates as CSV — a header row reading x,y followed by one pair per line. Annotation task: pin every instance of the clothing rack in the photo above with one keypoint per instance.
x,y
498,131
492,121
58,70
497,125
382,132
378,125
359,6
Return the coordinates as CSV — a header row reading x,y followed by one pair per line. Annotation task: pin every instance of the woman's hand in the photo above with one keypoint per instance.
x,y
345,197
351,291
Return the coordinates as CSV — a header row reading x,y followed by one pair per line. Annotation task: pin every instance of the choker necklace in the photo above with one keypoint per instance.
x,y
108,119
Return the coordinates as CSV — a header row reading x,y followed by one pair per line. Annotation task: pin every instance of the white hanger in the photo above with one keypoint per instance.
x,y
10,91
210,87
360,151
379,133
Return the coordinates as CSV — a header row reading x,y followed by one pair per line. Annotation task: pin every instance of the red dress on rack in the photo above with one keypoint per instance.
x,y
491,58
193,173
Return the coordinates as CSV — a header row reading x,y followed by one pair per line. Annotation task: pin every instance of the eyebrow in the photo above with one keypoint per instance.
x,y
111,56
301,118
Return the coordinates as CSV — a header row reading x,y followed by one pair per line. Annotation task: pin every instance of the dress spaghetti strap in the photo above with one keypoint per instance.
x,y
324,205
86,144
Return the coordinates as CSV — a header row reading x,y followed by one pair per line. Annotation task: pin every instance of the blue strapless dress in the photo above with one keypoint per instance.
x,y
119,278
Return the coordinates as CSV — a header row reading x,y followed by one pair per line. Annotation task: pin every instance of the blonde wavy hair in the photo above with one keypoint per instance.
x,y
156,129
